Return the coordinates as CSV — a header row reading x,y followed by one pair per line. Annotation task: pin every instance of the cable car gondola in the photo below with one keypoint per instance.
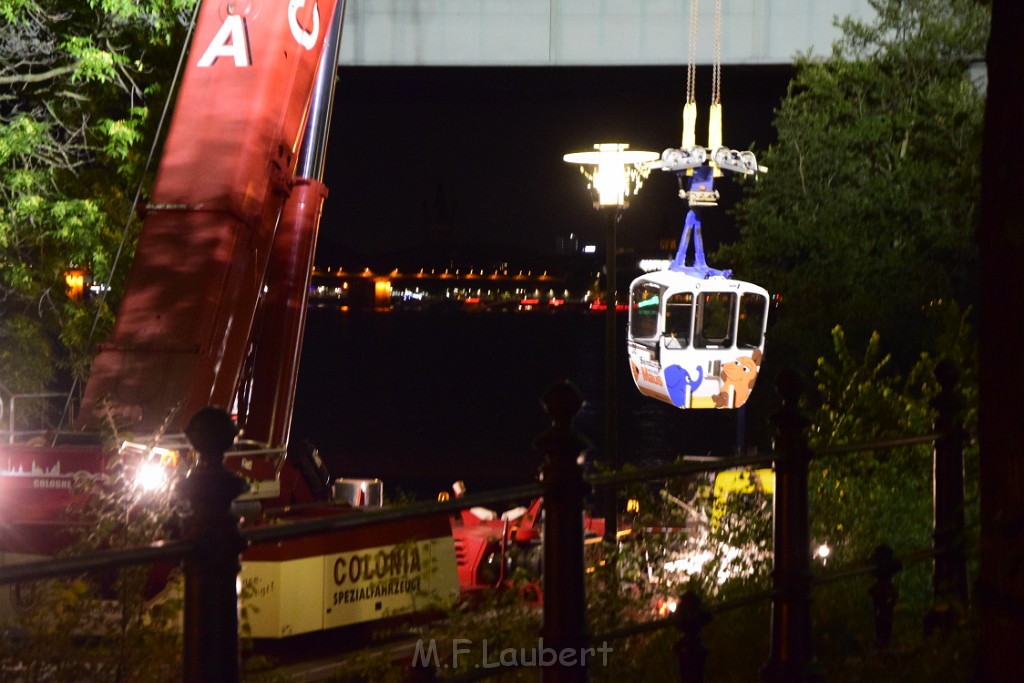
x,y
695,335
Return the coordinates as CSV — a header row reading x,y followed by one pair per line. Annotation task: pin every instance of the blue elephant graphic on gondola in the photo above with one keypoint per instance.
x,y
677,379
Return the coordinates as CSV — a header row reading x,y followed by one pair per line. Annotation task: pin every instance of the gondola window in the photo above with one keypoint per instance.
x,y
643,313
678,320
715,320
752,311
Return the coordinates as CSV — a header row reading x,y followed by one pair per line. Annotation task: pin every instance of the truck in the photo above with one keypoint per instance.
x,y
213,315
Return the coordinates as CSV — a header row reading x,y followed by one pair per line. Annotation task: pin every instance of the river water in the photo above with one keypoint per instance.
x,y
423,398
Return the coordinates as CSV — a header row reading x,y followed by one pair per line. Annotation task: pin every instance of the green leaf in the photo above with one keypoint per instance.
x,y
92,63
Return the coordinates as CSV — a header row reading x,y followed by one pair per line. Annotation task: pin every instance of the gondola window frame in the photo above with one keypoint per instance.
x,y
677,321
753,311
644,319
709,311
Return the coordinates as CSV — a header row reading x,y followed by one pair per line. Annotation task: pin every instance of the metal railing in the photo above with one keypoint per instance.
x,y
9,402
213,543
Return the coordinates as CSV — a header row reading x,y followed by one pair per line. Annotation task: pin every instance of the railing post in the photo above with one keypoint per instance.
x,y
211,572
791,656
883,593
949,581
564,628
691,618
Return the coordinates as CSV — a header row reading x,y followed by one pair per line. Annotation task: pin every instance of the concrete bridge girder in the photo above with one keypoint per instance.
x,y
585,32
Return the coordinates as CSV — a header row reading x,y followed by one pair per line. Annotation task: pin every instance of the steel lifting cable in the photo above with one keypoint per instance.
x,y
690,107
691,64
135,202
715,113
716,72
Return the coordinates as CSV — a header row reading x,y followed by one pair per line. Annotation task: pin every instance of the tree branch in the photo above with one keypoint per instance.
x,y
38,78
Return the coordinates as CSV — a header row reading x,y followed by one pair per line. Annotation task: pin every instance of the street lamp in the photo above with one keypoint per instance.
x,y
614,174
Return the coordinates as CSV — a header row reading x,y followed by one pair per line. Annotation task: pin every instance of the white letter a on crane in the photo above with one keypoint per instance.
x,y
231,41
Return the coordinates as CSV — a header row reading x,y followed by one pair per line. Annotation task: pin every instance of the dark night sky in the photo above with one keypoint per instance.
x,y
492,139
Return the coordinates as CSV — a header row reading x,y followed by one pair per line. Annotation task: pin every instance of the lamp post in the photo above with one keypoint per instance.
x,y
614,173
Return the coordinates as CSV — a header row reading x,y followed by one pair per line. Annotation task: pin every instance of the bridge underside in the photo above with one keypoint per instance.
x,y
586,32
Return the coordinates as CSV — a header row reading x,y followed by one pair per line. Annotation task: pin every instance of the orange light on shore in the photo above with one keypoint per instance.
x,y
75,280
382,294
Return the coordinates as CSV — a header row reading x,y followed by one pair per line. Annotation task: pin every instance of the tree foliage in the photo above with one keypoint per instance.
x,y
867,215
82,86
864,499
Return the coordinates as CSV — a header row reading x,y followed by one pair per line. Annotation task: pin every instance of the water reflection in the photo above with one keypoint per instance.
x,y
422,399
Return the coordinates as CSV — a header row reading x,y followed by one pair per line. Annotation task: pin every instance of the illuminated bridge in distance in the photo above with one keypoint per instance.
x,y
467,289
